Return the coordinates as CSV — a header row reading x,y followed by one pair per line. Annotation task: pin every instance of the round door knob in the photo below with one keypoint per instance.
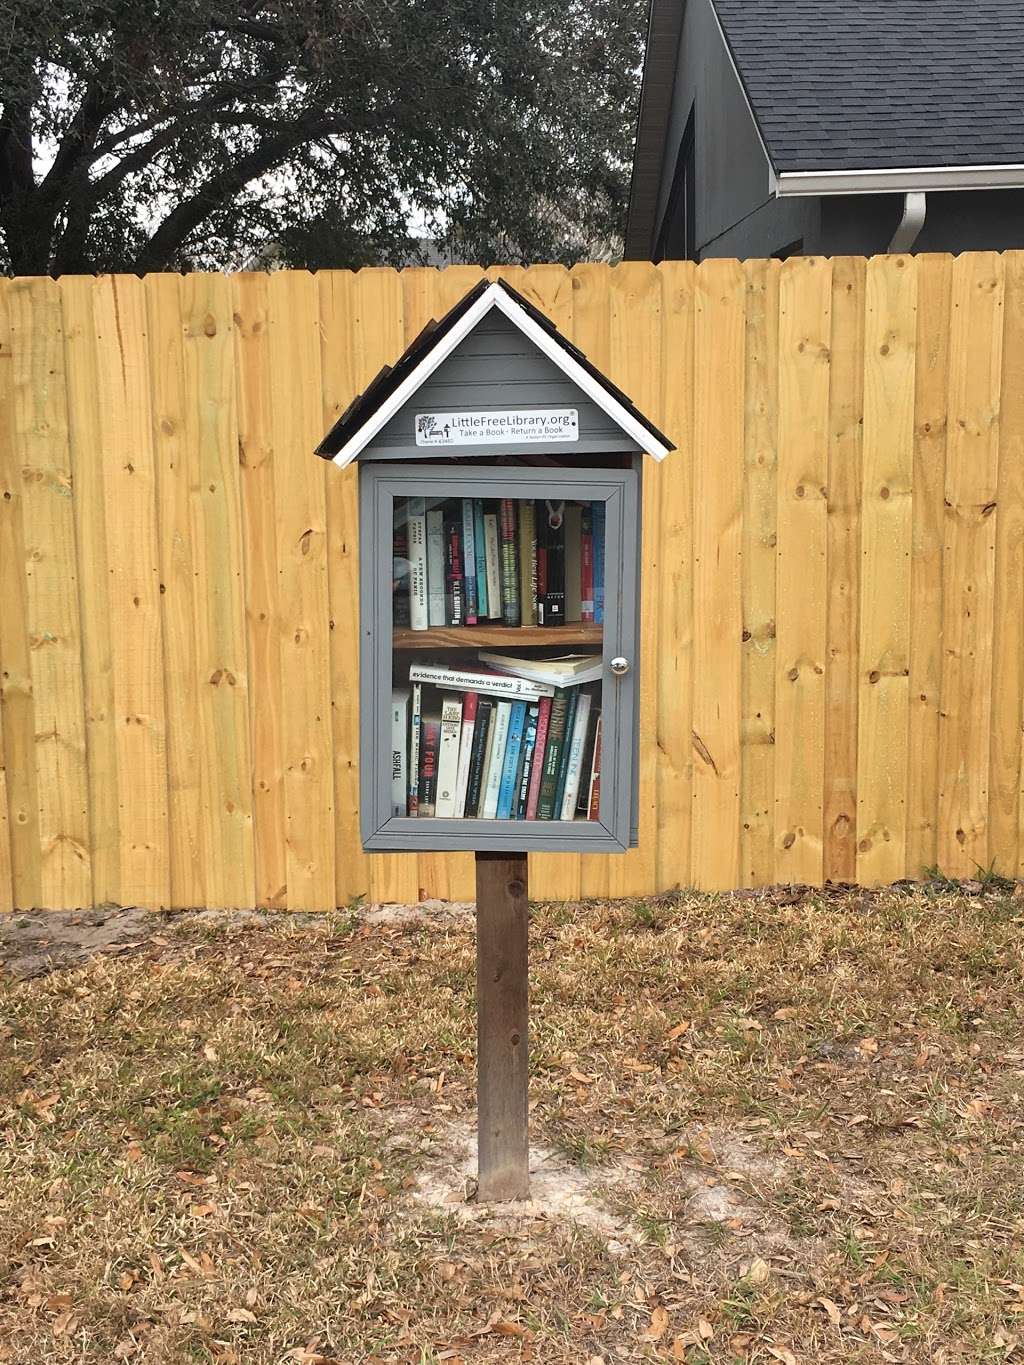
x,y
619,665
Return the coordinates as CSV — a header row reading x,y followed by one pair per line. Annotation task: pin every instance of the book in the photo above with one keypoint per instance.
x,y
553,755
488,756
587,562
509,563
469,708
510,766
492,555
573,561
574,767
527,564
400,603
454,581
417,539
526,762
594,805
551,530
469,560
479,680
539,752
598,518
481,559
563,762
448,757
435,567
586,767
430,739
414,748
477,758
400,699
564,671
496,759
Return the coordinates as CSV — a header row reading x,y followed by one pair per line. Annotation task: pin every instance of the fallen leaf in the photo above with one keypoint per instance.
x,y
759,1271
832,1309
678,1031
783,1353
241,1315
658,1327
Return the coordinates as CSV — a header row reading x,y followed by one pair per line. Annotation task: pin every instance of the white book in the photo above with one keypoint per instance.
x,y
469,707
448,757
492,554
575,761
467,680
573,561
435,567
417,536
492,786
414,749
399,748
567,671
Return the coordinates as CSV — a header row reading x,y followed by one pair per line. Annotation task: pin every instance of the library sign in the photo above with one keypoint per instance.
x,y
499,627
497,428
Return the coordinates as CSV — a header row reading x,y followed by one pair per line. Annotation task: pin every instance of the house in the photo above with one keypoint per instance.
x,y
785,127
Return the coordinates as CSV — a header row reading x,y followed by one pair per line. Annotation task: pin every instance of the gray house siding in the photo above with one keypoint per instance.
x,y
529,380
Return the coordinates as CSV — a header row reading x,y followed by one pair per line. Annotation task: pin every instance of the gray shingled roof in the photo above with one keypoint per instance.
x,y
868,84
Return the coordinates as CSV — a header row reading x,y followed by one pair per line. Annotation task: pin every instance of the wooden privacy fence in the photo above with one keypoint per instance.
x,y
833,634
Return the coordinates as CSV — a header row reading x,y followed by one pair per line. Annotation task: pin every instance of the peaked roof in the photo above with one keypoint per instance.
x,y
395,385
875,84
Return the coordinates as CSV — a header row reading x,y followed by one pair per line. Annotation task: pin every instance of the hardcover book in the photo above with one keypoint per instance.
x,y
553,755
400,582
574,767
527,564
595,775
551,531
417,536
598,517
526,765
492,553
480,545
448,757
563,762
414,748
479,680
469,709
587,562
435,567
430,740
573,562
469,561
400,698
487,752
538,757
454,582
481,730
492,781
509,563
510,766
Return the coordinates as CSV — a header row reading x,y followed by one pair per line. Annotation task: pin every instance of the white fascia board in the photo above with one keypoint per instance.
x,y
495,297
901,180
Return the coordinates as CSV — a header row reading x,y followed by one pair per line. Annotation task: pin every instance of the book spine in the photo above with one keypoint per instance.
x,y
492,783
435,567
509,564
469,710
454,582
448,757
510,765
484,712
598,522
540,535
480,545
429,745
551,607
529,745
401,583
527,565
573,562
552,755
586,766
399,750
503,684
563,762
587,563
414,749
594,805
418,617
537,763
574,767
469,560
492,550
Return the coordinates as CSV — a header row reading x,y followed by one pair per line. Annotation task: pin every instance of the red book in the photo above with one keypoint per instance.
x,y
430,743
537,771
595,775
586,564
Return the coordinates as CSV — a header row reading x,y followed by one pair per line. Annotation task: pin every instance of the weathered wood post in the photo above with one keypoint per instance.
x,y
502,995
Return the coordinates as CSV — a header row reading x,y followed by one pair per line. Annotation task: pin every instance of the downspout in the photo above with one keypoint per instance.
x,y
910,225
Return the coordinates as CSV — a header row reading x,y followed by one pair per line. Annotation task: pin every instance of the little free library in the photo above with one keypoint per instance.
x,y
499,485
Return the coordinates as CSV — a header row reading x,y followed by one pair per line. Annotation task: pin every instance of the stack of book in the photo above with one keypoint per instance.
x,y
494,744
470,561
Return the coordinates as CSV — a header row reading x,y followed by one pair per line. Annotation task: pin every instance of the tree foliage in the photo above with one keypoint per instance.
x,y
142,135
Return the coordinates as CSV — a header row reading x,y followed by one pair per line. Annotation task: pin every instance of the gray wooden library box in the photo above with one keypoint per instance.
x,y
499,477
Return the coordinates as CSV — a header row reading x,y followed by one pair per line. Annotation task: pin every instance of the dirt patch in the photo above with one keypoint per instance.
x,y
430,912
37,943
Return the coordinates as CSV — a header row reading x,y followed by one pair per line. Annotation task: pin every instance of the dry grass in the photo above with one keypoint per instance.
x,y
803,1115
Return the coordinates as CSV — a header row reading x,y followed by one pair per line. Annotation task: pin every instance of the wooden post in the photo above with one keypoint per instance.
x,y
502,1010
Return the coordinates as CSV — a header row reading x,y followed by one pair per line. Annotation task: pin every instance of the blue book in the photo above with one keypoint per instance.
x,y
563,762
510,767
469,561
480,549
526,767
598,526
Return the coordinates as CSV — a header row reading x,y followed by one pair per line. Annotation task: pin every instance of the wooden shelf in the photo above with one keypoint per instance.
x,y
471,637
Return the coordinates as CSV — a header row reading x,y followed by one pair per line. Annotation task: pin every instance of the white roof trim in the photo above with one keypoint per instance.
x,y
901,180
496,297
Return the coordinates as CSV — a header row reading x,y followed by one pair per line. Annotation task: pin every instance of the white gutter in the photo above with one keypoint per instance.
x,y
915,203
901,180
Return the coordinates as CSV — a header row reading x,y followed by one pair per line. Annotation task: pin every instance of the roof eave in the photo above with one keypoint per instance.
x,y
899,180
